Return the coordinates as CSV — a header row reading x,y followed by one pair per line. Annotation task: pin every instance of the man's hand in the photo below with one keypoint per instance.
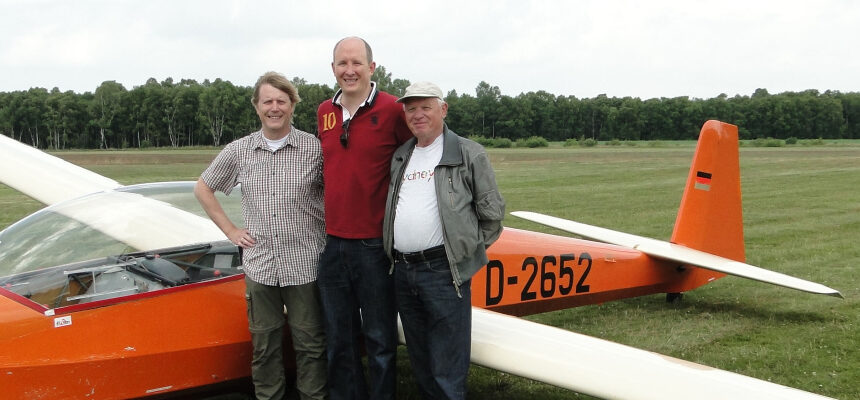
x,y
241,237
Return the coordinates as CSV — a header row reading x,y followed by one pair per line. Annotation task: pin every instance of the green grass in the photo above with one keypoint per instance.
x,y
802,217
801,214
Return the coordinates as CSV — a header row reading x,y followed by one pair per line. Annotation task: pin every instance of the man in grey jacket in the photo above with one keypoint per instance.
x,y
443,211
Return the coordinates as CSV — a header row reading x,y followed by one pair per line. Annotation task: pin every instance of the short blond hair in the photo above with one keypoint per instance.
x,y
278,81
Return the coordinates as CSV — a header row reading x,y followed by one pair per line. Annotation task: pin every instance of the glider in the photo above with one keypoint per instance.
x,y
119,291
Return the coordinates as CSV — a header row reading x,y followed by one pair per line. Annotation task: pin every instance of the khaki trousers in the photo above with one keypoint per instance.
x,y
266,322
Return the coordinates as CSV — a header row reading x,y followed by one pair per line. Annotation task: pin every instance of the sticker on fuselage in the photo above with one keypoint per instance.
x,y
60,322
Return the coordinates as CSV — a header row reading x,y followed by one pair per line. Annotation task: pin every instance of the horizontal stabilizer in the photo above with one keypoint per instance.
x,y
606,369
44,177
678,253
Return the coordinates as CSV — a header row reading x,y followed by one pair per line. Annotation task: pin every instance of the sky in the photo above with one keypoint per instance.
x,y
646,49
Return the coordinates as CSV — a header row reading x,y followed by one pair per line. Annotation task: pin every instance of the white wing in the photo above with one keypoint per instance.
x,y
130,218
605,369
44,177
675,252
141,222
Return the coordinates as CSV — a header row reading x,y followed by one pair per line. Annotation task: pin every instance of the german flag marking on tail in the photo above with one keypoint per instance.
x,y
703,181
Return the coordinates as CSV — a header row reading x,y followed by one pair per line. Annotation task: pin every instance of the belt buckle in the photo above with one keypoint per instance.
x,y
413,257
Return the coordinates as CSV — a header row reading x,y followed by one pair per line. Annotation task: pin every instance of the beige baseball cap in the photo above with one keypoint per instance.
x,y
421,89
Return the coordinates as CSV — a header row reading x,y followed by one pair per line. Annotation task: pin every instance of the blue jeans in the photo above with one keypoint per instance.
x,y
437,324
358,298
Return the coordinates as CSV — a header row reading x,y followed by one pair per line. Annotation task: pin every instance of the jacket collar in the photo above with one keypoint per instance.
x,y
451,154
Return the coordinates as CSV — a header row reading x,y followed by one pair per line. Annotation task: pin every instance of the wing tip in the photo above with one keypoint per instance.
x,y
823,290
835,293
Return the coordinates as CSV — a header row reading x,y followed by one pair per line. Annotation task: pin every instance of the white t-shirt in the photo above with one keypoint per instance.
x,y
416,219
274,145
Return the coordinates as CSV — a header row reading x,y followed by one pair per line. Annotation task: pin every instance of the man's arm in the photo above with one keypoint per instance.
x,y
206,196
489,204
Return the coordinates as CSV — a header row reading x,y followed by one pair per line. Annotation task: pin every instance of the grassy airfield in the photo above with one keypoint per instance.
x,y
801,216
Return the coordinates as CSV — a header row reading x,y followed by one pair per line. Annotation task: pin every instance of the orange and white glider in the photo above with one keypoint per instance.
x,y
149,300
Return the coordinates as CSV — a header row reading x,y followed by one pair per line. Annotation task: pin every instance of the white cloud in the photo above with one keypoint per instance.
x,y
622,48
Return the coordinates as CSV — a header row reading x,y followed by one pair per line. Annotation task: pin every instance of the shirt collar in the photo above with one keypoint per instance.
x,y
367,102
260,142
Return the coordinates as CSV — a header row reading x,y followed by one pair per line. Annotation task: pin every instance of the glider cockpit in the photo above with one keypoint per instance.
x,y
92,268
117,277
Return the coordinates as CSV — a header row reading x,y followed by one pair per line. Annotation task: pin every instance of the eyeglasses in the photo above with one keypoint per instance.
x,y
344,137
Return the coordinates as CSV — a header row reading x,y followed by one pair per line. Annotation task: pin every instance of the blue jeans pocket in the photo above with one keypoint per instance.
x,y
439,266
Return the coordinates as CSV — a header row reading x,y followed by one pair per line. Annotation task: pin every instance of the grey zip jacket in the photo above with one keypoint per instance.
x,y
470,205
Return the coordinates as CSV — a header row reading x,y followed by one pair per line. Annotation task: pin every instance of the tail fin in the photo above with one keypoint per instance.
x,y
710,217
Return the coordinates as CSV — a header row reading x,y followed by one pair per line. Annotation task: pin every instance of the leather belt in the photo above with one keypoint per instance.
x,y
420,256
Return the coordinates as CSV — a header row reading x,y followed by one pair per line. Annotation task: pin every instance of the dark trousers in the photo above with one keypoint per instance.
x,y
437,324
266,322
358,303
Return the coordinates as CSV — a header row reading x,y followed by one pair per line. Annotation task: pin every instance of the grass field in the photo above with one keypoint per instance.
x,y
801,215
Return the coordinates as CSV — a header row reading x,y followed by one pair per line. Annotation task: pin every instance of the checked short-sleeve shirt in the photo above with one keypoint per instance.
x,y
282,203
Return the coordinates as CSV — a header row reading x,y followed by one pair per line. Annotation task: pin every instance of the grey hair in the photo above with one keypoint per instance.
x,y
437,99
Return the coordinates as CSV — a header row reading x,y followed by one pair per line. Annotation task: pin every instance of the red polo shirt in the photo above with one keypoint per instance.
x,y
356,177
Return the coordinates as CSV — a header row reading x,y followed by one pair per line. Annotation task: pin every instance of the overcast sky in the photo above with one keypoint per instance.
x,y
646,49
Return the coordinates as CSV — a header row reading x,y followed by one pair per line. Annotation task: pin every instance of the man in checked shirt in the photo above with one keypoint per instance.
x,y
280,170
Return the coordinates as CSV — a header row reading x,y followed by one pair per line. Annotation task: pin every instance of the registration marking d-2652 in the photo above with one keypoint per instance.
x,y
542,279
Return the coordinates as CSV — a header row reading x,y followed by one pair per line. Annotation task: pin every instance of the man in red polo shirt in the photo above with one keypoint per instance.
x,y
359,129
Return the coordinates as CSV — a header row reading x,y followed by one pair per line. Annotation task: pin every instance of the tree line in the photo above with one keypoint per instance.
x,y
191,113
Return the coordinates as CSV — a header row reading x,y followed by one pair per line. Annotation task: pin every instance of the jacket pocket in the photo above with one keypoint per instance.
x,y
490,206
